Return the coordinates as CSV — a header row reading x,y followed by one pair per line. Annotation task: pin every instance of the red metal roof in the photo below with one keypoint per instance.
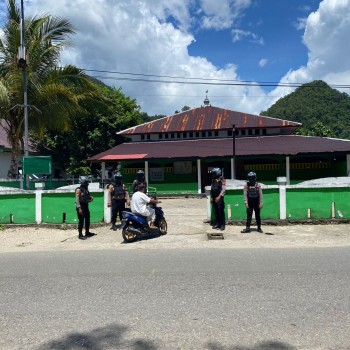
x,y
244,146
209,118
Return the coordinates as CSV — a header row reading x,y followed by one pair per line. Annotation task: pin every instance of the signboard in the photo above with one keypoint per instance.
x,y
156,174
37,165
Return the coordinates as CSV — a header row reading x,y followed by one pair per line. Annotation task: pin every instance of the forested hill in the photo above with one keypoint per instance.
x,y
312,104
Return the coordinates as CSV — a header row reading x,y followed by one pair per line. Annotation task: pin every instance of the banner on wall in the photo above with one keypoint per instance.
x,y
184,167
156,174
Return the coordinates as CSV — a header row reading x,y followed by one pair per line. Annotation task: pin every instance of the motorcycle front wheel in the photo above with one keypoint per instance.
x,y
128,236
163,227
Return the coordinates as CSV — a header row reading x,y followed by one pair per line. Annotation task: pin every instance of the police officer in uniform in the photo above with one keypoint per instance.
x,y
140,179
117,196
253,199
82,200
217,192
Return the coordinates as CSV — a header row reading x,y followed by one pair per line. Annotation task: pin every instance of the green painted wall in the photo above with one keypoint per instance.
x,y
319,200
235,199
55,204
21,206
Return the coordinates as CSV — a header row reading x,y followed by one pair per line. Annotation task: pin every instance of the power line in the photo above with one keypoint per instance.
x,y
208,81
220,83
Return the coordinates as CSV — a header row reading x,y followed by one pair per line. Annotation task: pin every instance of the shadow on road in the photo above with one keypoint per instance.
x,y
266,345
112,337
109,337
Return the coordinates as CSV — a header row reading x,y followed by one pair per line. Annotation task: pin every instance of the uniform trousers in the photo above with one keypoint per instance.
x,y
253,205
118,206
84,217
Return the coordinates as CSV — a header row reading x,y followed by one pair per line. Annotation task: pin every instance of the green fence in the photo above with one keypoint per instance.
x,y
17,209
235,199
60,207
318,201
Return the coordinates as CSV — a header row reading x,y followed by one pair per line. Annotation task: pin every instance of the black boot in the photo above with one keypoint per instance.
x,y
81,236
89,234
246,230
260,230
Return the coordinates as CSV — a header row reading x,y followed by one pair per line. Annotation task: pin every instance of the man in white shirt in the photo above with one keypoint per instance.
x,y
139,203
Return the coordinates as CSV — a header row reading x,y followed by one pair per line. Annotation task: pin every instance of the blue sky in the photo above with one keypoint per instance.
x,y
272,40
293,41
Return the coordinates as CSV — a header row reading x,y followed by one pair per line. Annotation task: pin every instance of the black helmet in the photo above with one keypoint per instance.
x,y
84,180
251,178
216,173
118,176
140,175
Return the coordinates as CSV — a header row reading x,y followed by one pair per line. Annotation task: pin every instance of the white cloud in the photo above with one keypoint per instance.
x,y
136,36
263,62
326,38
152,37
239,34
221,14
300,23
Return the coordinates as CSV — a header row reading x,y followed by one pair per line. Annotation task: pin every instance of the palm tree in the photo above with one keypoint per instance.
x,y
54,92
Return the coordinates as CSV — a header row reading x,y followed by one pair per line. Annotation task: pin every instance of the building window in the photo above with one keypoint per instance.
x,y
209,133
236,132
257,131
197,134
229,133
166,136
191,134
172,135
250,132
160,136
264,131
184,135
148,137
243,132
203,133
178,135
216,133
142,137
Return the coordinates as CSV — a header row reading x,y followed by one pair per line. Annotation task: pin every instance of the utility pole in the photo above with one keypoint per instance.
x,y
233,165
22,63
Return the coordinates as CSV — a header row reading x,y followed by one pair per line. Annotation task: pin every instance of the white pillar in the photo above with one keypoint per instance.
x,y
233,170
199,176
38,214
208,206
146,172
106,211
283,197
287,170
103,170
348,165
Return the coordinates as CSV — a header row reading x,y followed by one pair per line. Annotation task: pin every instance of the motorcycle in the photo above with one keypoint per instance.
x,y
136,225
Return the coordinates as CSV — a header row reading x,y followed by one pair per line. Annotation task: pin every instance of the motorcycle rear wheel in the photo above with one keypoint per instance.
x,y
163,227
128,236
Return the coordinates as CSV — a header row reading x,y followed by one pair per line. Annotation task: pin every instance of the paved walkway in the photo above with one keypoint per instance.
x,y
186,229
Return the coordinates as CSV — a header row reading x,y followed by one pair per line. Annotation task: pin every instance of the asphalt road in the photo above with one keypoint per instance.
x,y
216,299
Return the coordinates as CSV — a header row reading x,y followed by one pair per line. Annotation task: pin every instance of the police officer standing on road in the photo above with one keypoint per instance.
x,y
217,192
117,196
82,200
140,179
253,199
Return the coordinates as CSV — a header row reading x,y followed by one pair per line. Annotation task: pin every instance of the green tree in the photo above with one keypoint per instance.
x,y
323,111
56,92
93,131
318,129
